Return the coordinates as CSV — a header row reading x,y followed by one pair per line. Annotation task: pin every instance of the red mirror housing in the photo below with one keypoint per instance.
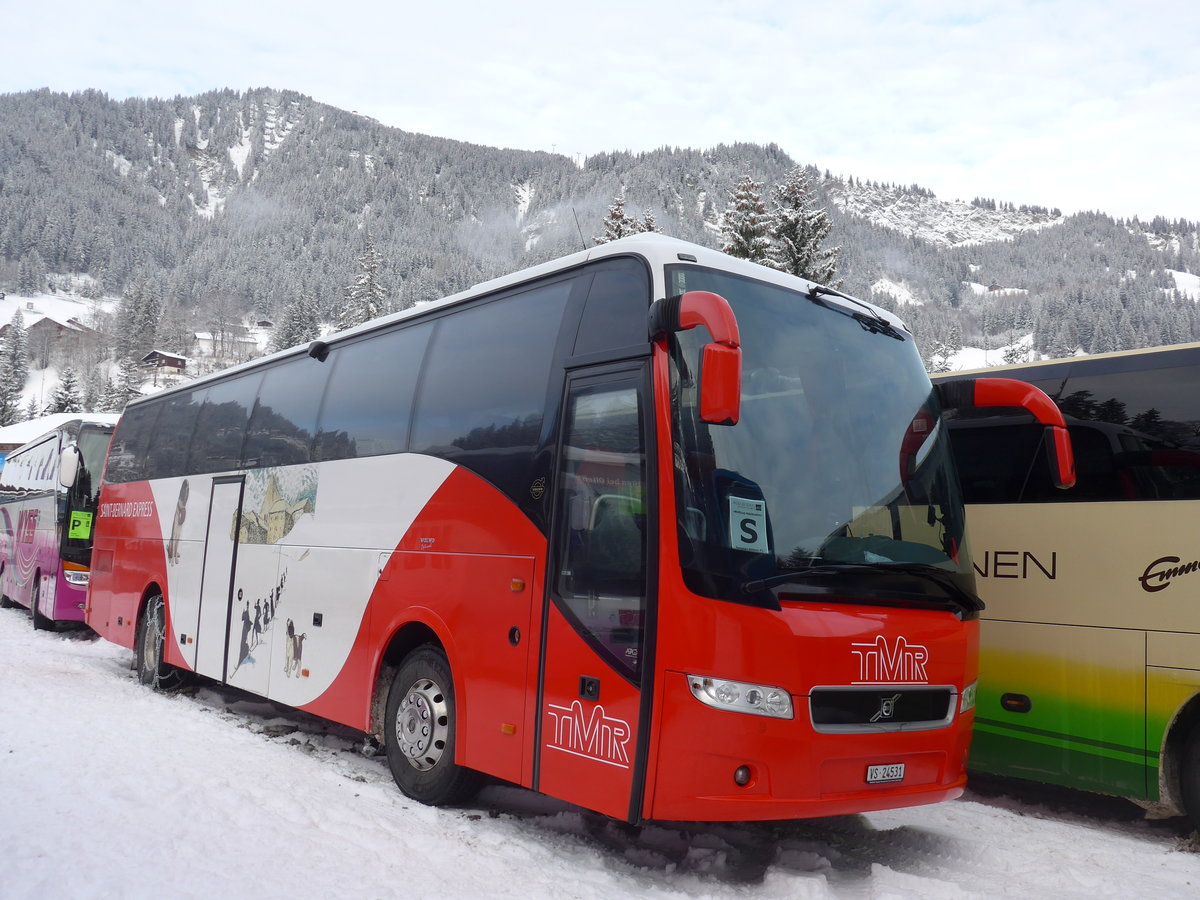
x,y
720,384
720,362
983,393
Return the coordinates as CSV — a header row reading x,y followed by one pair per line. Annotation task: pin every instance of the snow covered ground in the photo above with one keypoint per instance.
x,y
108,789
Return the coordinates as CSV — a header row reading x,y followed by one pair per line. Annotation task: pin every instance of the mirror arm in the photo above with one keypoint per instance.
x,y
720,361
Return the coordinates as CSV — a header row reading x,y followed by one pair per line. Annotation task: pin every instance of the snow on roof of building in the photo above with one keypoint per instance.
x,y
23,432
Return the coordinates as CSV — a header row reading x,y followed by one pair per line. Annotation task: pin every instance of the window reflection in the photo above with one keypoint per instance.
x,y
603,522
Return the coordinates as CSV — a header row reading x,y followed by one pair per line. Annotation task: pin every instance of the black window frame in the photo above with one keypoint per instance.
x,y
535,501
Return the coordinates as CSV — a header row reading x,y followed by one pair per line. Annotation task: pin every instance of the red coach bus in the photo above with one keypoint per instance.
x,y
695,559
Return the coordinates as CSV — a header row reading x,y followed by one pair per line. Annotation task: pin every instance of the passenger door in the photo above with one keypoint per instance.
x,y
595,628
214,657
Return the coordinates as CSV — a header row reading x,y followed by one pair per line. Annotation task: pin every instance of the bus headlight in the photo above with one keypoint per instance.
x,y
967,703
738,696
76,577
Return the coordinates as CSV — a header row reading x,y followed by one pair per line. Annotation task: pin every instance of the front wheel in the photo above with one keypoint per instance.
x,y
419,731
148,650
40,622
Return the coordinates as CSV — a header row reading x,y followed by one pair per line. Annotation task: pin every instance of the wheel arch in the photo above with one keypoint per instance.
x,y
408,637
149,591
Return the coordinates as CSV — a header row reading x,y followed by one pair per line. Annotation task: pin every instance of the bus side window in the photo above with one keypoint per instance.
x,y
131,443
221,425
617,304
284,419
483,392
368,404
173,435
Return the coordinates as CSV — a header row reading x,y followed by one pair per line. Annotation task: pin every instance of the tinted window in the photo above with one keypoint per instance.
x,y
483,392
173,435
602,531
131,443
83,496
617,305
368,402
221,426
284,420
1136,436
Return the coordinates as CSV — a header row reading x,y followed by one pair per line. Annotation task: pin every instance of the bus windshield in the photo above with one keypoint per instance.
x,y
839,463
82,496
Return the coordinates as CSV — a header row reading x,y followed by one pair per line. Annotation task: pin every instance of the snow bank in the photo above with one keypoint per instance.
x,y
112,790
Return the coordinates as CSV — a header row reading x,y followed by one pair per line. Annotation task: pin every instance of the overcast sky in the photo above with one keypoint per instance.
x,y
1076,104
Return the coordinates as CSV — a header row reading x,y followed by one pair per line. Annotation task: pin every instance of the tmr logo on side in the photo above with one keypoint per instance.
x,y
595,735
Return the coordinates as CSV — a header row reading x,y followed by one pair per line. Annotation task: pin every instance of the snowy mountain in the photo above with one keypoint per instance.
x,y
918,214
231,206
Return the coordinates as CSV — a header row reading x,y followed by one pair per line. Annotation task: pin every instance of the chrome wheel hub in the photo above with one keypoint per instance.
x,y
422,725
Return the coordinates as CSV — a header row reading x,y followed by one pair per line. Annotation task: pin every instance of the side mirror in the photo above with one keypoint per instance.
x,y
720,361
984,393
68,466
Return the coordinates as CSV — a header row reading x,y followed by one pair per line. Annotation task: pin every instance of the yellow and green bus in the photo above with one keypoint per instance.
x,y
1090,642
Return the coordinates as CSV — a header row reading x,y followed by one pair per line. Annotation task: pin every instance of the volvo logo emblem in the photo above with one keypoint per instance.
x,y
887,708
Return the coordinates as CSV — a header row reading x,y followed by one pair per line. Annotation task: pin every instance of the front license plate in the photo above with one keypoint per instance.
x,y
885,774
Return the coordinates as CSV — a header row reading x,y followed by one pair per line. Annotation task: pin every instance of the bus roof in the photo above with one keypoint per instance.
x,y
657,249
1085,358
33,431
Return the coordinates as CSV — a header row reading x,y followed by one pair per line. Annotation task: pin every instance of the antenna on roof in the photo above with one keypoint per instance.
x,y
580,227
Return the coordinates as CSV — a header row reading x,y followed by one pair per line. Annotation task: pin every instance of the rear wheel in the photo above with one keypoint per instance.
x,y
148,650
1189,776
419,731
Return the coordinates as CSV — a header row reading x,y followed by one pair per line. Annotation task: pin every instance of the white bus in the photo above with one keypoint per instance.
x,y
1090,655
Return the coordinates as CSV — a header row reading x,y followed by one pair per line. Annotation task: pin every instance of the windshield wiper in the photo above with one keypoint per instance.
x,y
942,579
870,320
753,587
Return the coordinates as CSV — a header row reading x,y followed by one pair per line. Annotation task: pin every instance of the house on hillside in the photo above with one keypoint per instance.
x,y
164,362
232,342
49,336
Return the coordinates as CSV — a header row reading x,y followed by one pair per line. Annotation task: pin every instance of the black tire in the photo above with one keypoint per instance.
x,y
5,603
40,622
148,650
1189,776
419,731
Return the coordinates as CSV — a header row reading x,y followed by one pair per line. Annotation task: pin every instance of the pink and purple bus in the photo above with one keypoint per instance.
x,y
48,493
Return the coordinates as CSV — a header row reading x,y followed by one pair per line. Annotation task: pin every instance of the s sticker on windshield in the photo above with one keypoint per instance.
x,y
748,525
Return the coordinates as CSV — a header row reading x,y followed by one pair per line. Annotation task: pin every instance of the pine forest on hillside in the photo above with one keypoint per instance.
x,y
182,225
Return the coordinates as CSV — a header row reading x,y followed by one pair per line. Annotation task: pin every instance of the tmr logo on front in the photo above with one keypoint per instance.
x,y
593,735
898,662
